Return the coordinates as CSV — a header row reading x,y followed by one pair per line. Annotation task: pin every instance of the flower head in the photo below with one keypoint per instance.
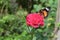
x,y
35,20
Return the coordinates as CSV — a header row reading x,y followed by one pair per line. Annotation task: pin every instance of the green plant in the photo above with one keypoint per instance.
x,y
12,20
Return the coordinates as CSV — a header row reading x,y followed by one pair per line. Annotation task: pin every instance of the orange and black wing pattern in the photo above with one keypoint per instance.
x,y
45,11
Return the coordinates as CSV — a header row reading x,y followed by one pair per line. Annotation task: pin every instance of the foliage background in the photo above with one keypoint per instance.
x,y
12,20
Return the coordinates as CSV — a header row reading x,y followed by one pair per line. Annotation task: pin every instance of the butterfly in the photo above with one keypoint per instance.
x,y
45,11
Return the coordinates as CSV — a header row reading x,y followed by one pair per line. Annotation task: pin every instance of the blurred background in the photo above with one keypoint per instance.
x,y
12,19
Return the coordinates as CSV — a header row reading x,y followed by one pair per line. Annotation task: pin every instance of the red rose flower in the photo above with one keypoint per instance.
x,y
35,20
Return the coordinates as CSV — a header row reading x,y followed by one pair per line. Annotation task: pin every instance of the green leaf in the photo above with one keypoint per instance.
x,y
34,37
43,1
51,2
37,8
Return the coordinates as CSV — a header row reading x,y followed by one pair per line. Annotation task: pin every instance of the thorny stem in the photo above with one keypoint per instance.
x,y
31,33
